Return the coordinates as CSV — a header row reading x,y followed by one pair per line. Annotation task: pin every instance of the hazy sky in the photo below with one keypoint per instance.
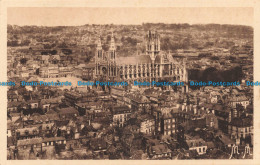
x,y
79,16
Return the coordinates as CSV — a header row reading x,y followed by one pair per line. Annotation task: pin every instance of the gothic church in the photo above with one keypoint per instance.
x,y
154,65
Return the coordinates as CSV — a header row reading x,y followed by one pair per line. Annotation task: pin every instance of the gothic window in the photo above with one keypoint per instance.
x,y
99,54
130,68
126,69
135,71
148,70
121,70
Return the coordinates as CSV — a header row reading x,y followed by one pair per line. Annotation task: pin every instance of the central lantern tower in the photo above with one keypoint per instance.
x,y
152,44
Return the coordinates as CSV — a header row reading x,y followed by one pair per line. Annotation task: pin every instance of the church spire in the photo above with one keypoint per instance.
x,y
112,43
99,48
112,49
99,45
152,44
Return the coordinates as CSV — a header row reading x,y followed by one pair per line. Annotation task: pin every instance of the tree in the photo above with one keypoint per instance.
x,y
53,52
215,58
58,132
12,43
66,51
23,61
25,42
37,72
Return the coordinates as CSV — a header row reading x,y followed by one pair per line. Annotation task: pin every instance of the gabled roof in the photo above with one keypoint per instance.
x,y
218,107
226,140
242,122
29,141
51,101
69,110
31,131
32,101
238,99
62,123
13,104
32,79
47,126
145,117
160,149
10,141
195,142
98,144
121,109
53,139
51,112
138,59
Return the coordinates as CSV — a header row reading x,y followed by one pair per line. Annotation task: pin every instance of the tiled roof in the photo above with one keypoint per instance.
x,y
121,109
13,104
53,139
10,141
29,141
31,131
69,110
144,59
245,122
51,101
226,140
195,142
49,126
160,149
238,99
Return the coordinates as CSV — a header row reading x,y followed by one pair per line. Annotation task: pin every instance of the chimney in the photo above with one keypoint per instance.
x,y
178,105
77,135
182,107
195,109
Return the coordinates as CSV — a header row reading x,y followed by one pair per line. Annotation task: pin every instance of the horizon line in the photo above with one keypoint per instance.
x,y
115,24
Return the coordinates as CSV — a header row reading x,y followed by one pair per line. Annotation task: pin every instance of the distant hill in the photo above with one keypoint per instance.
x,y
130,38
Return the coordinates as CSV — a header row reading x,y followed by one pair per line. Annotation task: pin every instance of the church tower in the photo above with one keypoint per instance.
x,y
112,49
112,57
152,44
98,57
99,49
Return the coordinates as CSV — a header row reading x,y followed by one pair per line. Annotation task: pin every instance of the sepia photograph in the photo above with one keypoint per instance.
x,y
130,83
